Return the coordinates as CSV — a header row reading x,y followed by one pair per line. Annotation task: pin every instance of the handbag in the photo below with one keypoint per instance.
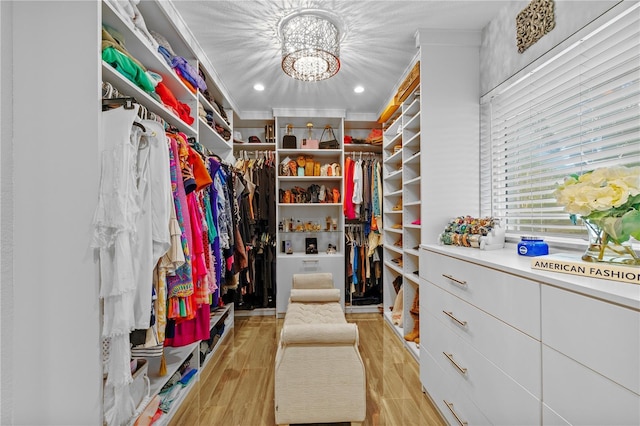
x,y
309,142
331,142
309,166
289,140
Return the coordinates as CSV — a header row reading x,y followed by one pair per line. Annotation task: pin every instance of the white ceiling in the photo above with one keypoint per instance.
x,y
240,39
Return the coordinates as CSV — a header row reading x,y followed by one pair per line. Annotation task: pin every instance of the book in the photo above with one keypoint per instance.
x,y
571,264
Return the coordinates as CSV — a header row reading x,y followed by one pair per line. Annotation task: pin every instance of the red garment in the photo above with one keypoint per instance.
x,y
169,100
347,202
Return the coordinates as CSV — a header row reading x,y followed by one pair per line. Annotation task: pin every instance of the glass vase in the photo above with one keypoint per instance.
x,y
603,248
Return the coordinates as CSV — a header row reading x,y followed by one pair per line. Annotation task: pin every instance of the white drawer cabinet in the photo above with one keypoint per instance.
x,y
510,298
582,396
512,351
602,336
445,391
301,264
500,398
585,356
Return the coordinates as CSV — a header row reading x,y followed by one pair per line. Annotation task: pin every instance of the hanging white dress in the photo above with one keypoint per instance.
x,y
114,232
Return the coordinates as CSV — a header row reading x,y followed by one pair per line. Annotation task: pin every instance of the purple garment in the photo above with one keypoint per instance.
x,y
188,72
214,166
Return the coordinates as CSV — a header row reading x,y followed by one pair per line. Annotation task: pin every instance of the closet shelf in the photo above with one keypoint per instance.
x,y
308,178
174,357
254,146
393,193
217,118
413,124
399,331
413,140
142,50
391,265
415,180
415,158
362,147
125,87
396,174
315,205
310,257
413,278
210,138
396,157
413,203
337,231
395,249
396,139
315,153
175,405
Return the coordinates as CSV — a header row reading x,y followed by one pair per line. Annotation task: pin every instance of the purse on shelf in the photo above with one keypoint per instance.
x,y
289,140
309,167
330,142
309,142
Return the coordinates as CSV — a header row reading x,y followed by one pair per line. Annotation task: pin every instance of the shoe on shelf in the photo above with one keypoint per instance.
x,y
396,226
398,243
397,207
397,260
416,247
416,222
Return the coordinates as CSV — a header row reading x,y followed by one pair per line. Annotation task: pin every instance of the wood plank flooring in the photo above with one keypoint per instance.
x,y
236,387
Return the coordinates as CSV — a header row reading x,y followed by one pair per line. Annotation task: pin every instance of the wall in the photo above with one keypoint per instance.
x,y
55,347
499,57
6,206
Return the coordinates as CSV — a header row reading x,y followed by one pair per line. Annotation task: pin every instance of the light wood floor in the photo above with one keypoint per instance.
x,y
236,388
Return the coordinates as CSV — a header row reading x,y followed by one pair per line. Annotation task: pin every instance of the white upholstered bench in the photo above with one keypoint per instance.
x,y
319,375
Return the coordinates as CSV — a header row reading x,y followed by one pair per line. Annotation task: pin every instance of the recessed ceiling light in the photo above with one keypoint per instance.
x,y
259,87
358,89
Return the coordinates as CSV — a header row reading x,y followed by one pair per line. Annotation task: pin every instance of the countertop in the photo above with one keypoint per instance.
x,y
507,260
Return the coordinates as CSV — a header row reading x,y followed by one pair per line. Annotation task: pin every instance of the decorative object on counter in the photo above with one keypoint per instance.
x,y
483,233
331,249
608,201
567,263
532,246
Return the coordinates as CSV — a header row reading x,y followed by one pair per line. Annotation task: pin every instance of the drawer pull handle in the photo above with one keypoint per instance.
x,y
450,315
455,280
463,370
450,407
311,261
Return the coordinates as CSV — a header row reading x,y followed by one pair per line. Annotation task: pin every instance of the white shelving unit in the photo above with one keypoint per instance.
x,y
402,209
162,18
300,214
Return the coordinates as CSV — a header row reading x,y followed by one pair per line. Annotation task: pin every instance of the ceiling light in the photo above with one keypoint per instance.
x,y
259,87
358,89
310,46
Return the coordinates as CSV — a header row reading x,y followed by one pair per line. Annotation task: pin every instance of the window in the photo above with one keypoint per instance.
x,y
569,112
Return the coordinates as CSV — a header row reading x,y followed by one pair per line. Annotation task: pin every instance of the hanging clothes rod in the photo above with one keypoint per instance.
x,y
127,102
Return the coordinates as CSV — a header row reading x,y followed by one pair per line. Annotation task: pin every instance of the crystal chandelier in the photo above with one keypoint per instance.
x,y
310,46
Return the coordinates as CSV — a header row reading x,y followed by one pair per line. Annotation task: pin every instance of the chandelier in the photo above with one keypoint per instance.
x,y
310,46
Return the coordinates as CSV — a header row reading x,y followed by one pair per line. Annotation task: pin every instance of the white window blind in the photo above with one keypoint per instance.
x,y
573,112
